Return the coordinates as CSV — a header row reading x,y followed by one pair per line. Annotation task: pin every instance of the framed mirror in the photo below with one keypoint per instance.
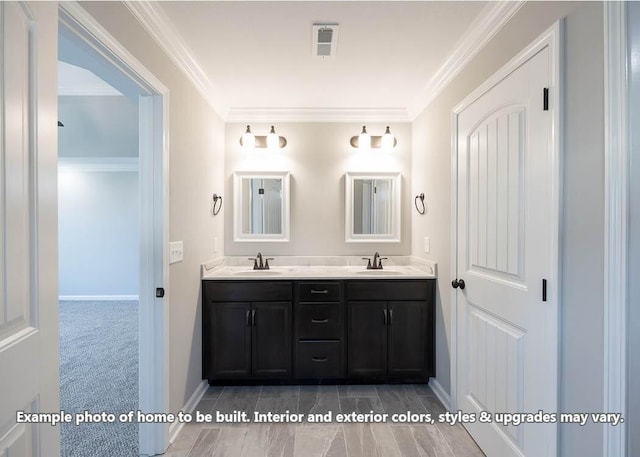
x,y
261,206
372,204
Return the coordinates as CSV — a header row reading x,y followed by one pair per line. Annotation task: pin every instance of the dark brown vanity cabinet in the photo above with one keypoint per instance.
x,y
319,330
360,330
246,330
391,329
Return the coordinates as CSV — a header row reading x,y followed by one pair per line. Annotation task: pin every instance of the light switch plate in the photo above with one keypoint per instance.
x,y
176,251
427,245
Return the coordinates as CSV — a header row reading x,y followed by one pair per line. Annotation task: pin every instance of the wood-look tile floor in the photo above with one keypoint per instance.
x,y
327,439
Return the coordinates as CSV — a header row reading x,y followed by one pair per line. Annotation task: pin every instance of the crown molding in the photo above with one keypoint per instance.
x,y
98,163
490,20
154,20
318,115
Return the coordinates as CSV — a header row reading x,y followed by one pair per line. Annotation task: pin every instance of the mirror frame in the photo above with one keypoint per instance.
x,y
238,176
396,211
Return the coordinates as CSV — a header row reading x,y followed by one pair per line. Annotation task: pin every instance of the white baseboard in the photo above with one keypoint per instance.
x,y
189,407
98,297
442,395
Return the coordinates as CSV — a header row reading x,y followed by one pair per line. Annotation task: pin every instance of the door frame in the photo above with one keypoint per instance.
x,y
551,38
616,239
154,219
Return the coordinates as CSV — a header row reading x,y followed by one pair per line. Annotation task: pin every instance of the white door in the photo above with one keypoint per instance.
x,y
506,332
28,233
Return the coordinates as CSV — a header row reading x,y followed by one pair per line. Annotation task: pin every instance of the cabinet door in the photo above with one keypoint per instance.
x,y
367,338
408,340
230,336
271,339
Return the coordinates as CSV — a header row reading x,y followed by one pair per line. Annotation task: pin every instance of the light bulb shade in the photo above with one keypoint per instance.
x,y
387,140
273,140
248,140
364,140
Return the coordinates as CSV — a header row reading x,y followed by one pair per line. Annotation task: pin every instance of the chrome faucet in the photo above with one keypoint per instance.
x,y
257,262
377,262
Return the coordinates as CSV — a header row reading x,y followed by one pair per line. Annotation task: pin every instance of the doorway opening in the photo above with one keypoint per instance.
x,y
98,246
113,170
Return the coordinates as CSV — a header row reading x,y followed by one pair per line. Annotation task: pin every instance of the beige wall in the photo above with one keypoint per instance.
x,y
581,305
317,156
196,145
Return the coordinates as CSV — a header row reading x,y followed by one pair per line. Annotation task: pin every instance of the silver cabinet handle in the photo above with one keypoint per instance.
x,y
320,292
319,359
390,317
253,317
384,315
319,321
248,318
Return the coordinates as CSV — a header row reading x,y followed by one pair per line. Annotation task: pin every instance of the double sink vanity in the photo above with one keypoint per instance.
x,y
318,320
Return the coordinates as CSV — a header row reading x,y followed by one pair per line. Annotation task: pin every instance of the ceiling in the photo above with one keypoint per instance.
x,y
258,54
74,80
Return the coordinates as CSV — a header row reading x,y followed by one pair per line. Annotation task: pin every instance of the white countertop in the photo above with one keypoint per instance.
x,y
225,269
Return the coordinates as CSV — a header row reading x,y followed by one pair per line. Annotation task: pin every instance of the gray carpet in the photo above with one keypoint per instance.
x,y
99,372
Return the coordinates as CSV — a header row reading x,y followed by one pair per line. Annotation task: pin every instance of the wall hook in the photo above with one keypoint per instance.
x,y
217,198
415,202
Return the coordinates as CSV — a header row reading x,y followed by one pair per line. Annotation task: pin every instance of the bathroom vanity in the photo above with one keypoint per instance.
x,y
318,324
318,319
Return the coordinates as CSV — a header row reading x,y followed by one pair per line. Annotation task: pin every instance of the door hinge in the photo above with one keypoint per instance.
x,y
545,99
544,290
159,292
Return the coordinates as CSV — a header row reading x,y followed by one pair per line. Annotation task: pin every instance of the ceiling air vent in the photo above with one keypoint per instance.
x,y
325,39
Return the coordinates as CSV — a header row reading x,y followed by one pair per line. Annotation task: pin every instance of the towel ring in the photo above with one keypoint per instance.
x,y
217,198
415,202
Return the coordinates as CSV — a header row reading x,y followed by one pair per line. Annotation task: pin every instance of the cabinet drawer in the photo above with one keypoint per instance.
x,y
318,291
395,289
216,291
319,359
319,321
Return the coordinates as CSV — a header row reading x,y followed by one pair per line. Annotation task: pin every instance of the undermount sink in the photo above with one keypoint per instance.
x,y
378,272
258,272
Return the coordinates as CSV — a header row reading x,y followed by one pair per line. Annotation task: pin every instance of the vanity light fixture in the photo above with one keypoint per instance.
x,y
387,140
273,140
365,141
249,141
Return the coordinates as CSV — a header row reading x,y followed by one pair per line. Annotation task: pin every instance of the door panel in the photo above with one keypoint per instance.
x,y
504,245
19,441
21,390
367,338
16,246
495,376
496,193
271,339
408,328
231,330
28,236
